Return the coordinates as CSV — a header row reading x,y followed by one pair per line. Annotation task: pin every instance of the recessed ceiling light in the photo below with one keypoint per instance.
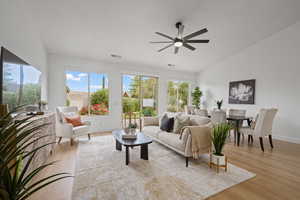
x,y
116,56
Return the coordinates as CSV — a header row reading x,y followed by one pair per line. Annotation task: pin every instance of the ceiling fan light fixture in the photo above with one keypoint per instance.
x,y
178,44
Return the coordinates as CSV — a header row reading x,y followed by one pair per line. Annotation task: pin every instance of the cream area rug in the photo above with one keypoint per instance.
x,y
101,173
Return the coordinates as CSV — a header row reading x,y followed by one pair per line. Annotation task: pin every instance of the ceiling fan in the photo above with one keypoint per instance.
x,y
179,40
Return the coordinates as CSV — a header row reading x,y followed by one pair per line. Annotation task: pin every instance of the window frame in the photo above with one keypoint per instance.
x,y
140,76
179,81
89,92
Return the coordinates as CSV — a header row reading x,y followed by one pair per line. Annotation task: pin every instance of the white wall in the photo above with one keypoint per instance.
x,y
275,64
57,97
19,35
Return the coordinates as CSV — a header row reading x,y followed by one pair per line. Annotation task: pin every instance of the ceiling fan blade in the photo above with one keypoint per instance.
x,y
197,41
176,50
161,42
188,46
195,34
165,47
164,35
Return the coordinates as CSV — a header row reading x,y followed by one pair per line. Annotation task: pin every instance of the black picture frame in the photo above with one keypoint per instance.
x,y
242,92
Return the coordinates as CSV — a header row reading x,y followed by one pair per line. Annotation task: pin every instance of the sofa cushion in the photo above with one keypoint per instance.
x,y
171,139
151,131
180,122
196,120
167,123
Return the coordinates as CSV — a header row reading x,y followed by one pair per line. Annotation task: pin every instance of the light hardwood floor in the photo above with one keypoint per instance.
x,y
277,172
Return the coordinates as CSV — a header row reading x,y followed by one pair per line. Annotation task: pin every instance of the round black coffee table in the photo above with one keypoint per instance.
x,y
141,140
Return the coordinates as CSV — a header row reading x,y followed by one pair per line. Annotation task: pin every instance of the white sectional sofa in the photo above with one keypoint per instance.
x,y
182,146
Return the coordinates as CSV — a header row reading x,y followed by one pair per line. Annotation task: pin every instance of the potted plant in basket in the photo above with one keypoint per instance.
x,y
219,135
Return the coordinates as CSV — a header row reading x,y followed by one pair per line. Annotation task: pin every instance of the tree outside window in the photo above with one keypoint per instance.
x,y
178,96
88,91
139,94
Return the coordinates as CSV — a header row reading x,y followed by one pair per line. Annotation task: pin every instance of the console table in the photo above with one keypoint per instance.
x,y
42,155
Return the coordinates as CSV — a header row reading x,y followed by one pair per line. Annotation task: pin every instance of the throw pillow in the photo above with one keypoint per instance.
x,y
69,115
167,123
180,122
75,121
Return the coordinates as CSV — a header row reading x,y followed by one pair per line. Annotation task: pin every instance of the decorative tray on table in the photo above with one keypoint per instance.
x,y
129,134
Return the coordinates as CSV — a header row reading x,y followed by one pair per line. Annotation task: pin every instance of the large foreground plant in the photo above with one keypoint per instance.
x,y
16,181
219,135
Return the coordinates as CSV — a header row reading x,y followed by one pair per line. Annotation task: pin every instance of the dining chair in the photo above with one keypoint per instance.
x,y
218,117
239,113
263,126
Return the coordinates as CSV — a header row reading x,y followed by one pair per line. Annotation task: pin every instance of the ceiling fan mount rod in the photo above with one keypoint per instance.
x,y
178,24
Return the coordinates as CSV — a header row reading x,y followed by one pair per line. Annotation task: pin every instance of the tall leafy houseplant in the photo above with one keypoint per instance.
x,y
16,181
219,135
196,95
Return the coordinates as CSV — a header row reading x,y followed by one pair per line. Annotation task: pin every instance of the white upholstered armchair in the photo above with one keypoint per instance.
x,y
66,130
263,126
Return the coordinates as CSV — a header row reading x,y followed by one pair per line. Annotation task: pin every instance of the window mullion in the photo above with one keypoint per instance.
x,y
89,105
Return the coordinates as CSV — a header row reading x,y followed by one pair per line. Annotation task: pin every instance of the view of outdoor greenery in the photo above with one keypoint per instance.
x,y
21,85
178,95
88,91
140,95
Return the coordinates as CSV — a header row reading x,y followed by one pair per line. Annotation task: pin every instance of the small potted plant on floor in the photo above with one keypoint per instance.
x,y
219,135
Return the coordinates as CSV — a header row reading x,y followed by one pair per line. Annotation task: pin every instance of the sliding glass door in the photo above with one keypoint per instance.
x,y
139,94
178,96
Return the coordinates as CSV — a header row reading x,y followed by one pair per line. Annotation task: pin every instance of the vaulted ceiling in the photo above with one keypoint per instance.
x,y
97,28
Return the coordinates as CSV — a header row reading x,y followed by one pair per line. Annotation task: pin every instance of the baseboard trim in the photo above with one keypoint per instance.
x,y
287,139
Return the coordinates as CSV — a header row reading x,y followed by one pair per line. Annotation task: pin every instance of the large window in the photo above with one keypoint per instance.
x,y
88,91
139,94
178,95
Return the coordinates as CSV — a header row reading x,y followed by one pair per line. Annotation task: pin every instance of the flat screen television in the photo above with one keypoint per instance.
x,y
20,82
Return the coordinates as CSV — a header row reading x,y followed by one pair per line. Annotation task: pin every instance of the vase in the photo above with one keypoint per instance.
x,y
218,160
132,131
127,130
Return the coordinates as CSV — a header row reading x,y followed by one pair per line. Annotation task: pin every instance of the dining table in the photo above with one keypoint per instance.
x,y
237,121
